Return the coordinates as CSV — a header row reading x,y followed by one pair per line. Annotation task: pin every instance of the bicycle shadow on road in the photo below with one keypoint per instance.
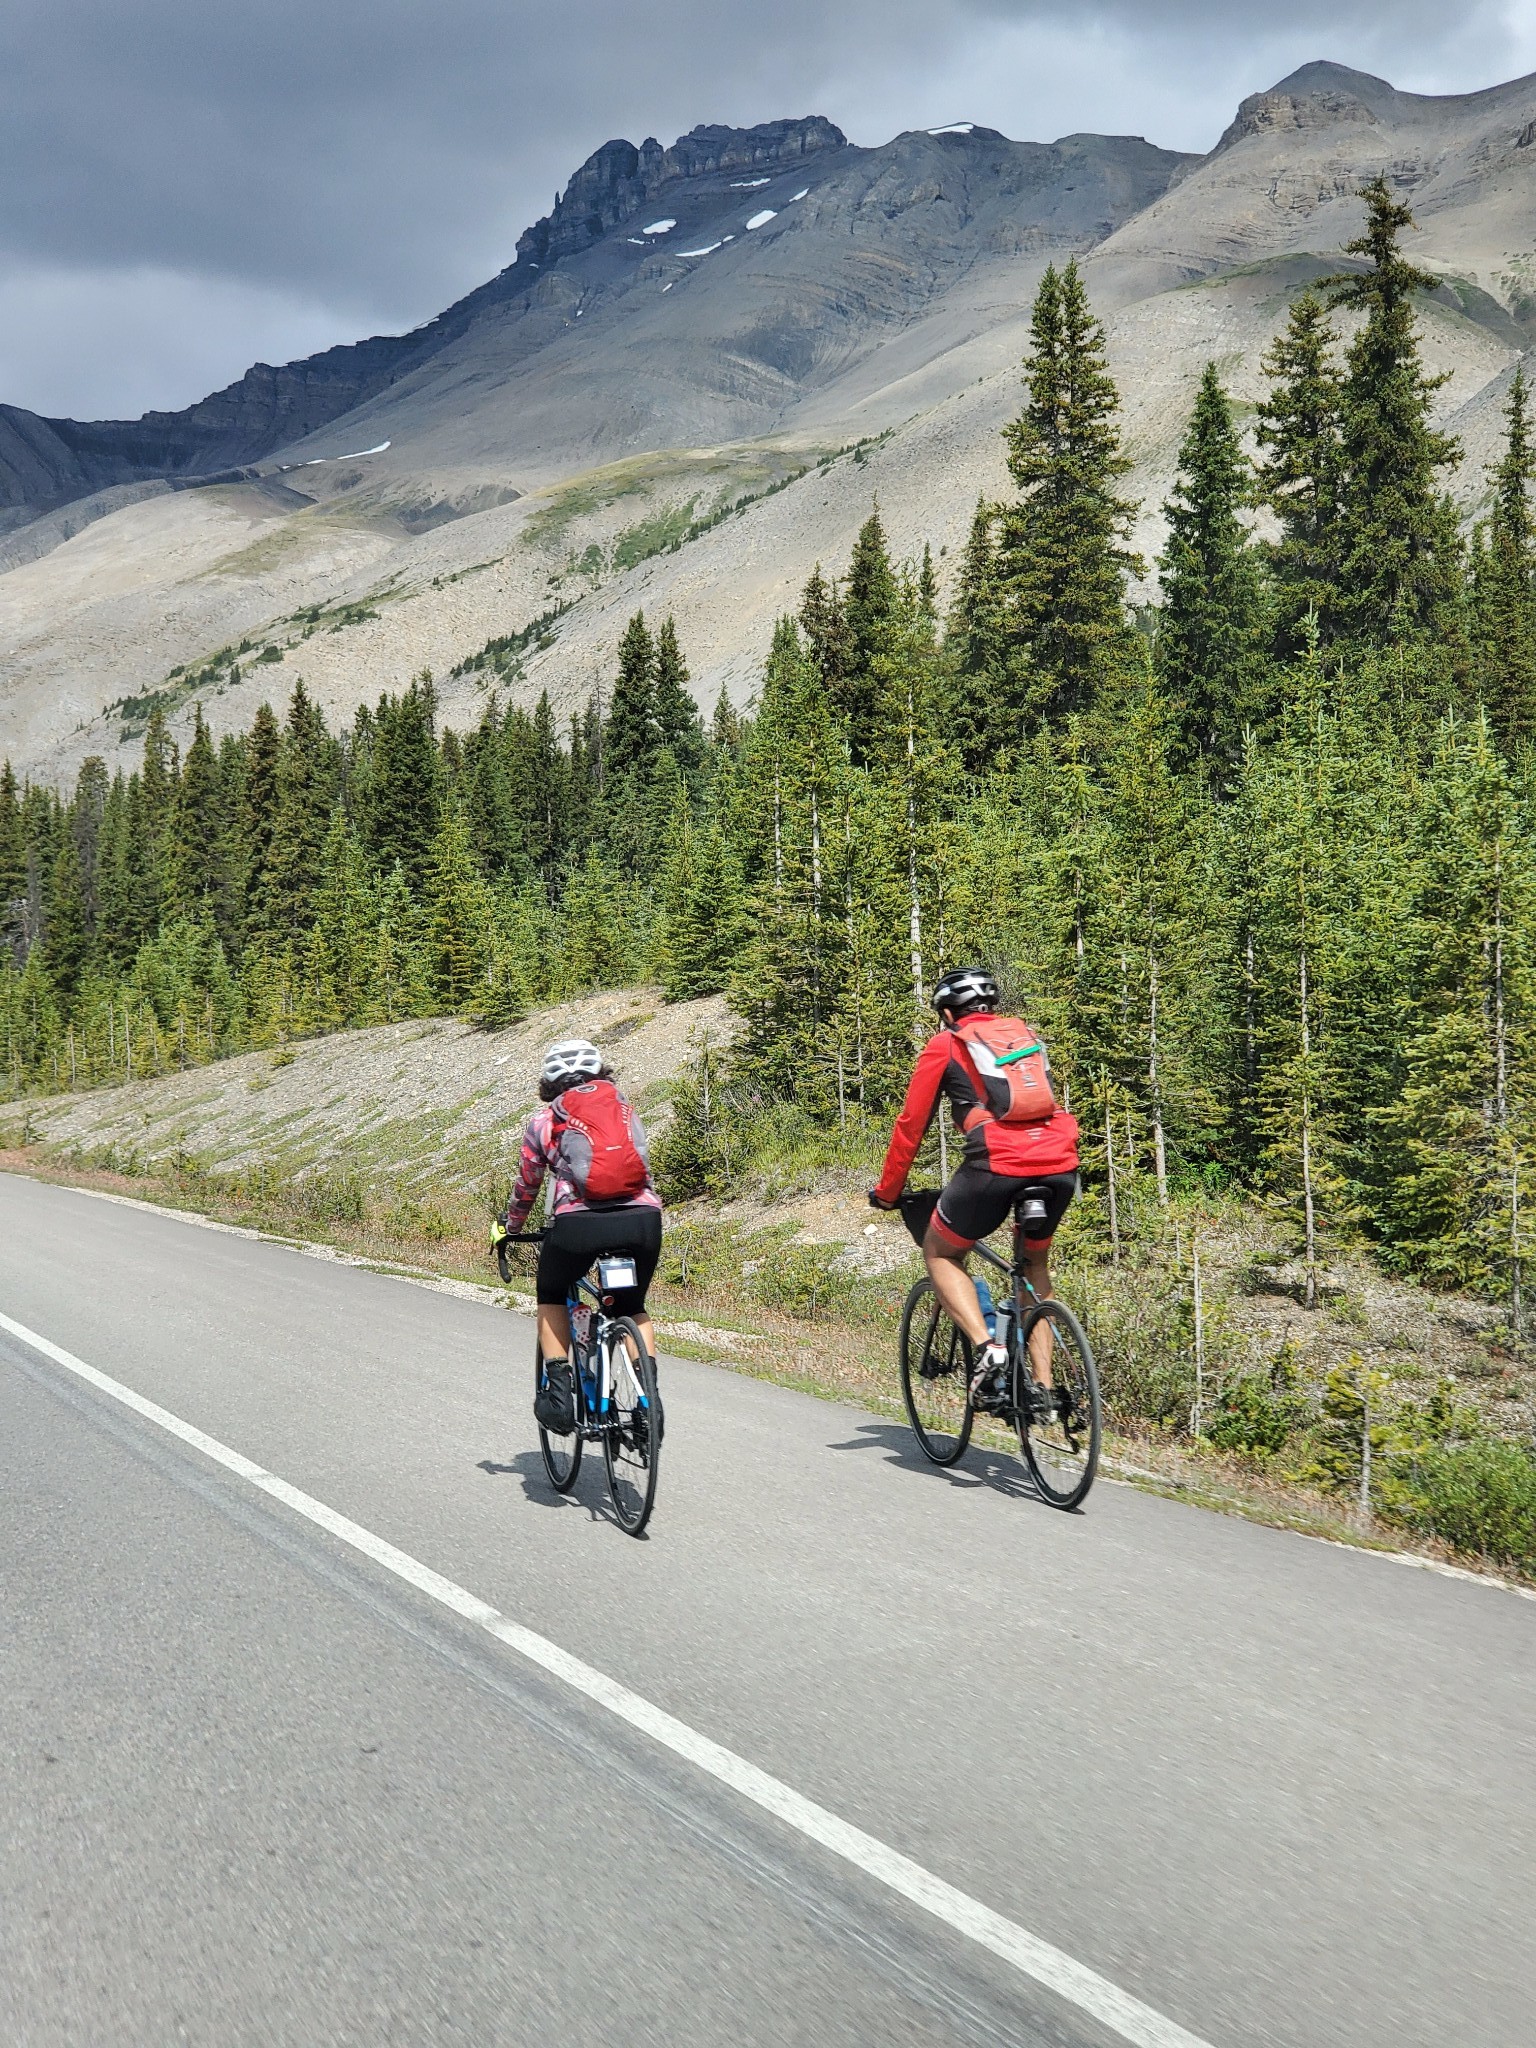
x,y
982,1466
589,1492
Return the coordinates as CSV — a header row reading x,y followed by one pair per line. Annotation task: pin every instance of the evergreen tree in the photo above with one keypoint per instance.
x,y
870,607
978,647
400,801
1504,581
66,940
306,788
1400,566
1211,623
1063,557
631,736
679,726
823,622
458,910
1301,476
258,820
13,859
725,728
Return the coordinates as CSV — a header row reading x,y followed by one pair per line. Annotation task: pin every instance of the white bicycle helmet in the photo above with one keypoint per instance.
x,y
572,1059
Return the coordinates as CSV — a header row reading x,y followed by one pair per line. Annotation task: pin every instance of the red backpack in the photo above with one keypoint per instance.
x,y
1012,1067
598,1154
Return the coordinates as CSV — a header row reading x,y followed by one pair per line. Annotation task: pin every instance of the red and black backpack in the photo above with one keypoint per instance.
x,y
1010,1063
593,1136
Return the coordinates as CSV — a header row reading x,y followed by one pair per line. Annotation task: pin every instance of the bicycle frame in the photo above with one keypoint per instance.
x,y
596,1412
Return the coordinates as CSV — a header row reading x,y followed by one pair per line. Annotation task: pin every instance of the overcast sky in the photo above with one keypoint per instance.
x,y
186,188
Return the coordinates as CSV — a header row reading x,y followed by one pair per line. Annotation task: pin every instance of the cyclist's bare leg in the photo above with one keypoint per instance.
x,y
954,1286
554,1330
1042,1340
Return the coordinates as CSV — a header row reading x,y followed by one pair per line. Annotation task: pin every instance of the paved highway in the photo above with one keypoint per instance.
x,y
256,1786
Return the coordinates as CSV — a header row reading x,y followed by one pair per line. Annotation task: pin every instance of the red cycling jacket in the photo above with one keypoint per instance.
x,y
944,1068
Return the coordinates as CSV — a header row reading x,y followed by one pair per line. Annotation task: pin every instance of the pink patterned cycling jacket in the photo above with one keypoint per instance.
x,y
541,1155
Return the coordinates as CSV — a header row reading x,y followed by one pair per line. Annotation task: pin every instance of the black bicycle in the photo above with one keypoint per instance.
x,y
617,1403
1051,1391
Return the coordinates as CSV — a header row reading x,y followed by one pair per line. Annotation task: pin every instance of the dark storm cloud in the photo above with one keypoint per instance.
x,y
306,168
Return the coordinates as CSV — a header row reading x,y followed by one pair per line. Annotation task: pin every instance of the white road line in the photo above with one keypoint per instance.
x,y
1058,1972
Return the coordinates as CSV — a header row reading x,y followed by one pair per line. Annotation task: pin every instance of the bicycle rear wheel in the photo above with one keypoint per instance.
x,y
561,1454
1062,1452
632,1426
935,1377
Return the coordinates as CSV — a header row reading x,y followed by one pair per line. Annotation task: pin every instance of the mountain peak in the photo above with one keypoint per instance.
x,y
1317,95
618,179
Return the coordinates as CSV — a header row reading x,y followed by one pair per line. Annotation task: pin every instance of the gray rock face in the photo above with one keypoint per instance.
x,y
930,205
617,180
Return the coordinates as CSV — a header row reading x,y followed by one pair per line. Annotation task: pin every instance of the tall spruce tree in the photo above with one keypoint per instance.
x,y
1210,629
1063,555
631,736
985,699
870,606
1300,476
258,817
306,790
1400,560
678,724
1504,581
401,800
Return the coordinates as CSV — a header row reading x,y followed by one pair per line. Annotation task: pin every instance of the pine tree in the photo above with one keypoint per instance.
x,y
1301,476
1504,581
400,801
459,917
306,788
1400,568
631,735
1211,623
870,607
1063,557
986,696
679,726
66,941
13,859
725,728
258,820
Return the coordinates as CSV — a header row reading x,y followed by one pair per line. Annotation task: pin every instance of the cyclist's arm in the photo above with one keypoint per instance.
x,y
530,1177
922,1099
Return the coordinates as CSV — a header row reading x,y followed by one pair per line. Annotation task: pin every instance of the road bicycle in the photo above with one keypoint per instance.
x,y
1059,1435
617,1403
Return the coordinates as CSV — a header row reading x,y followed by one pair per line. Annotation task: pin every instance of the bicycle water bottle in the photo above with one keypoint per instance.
x,y
1002,1326
987,1305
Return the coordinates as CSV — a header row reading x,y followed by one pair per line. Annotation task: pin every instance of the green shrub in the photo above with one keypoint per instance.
x,y
1478,1496
1254,1416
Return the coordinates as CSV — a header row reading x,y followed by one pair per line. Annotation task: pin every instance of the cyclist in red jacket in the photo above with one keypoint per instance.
x,y
1004,1156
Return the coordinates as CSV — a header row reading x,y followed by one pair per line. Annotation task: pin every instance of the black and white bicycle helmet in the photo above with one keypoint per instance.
x,y
571,1059
965,988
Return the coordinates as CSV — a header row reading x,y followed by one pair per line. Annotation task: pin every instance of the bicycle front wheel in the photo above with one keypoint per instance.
x,y
1062,1449
935,1377
561,1454
632,1426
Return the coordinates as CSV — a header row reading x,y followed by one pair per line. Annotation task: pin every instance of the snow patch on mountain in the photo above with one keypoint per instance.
x,y
761,220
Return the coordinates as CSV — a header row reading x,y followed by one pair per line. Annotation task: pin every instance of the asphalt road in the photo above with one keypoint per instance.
x,y
255,1789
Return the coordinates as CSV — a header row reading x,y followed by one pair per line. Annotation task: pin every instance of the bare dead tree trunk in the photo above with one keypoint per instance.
x,y
1109,1163
1155,1086
1308,1200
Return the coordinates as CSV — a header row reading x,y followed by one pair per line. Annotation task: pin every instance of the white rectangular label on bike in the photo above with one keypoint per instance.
x,y
615,1273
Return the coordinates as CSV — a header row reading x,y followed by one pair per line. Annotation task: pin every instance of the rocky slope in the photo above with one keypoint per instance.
x,y
688,328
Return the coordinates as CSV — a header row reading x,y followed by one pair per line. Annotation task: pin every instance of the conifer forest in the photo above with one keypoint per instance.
x,y
1257,860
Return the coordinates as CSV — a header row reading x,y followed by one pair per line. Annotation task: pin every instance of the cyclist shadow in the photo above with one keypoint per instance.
x,y
528,1466
981,1466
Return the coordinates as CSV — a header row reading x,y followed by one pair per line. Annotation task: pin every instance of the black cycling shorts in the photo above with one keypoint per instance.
x,y
575,1240
976,1202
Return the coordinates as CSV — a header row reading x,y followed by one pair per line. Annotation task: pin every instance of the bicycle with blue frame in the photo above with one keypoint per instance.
x,y
1059,1427
617,1403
